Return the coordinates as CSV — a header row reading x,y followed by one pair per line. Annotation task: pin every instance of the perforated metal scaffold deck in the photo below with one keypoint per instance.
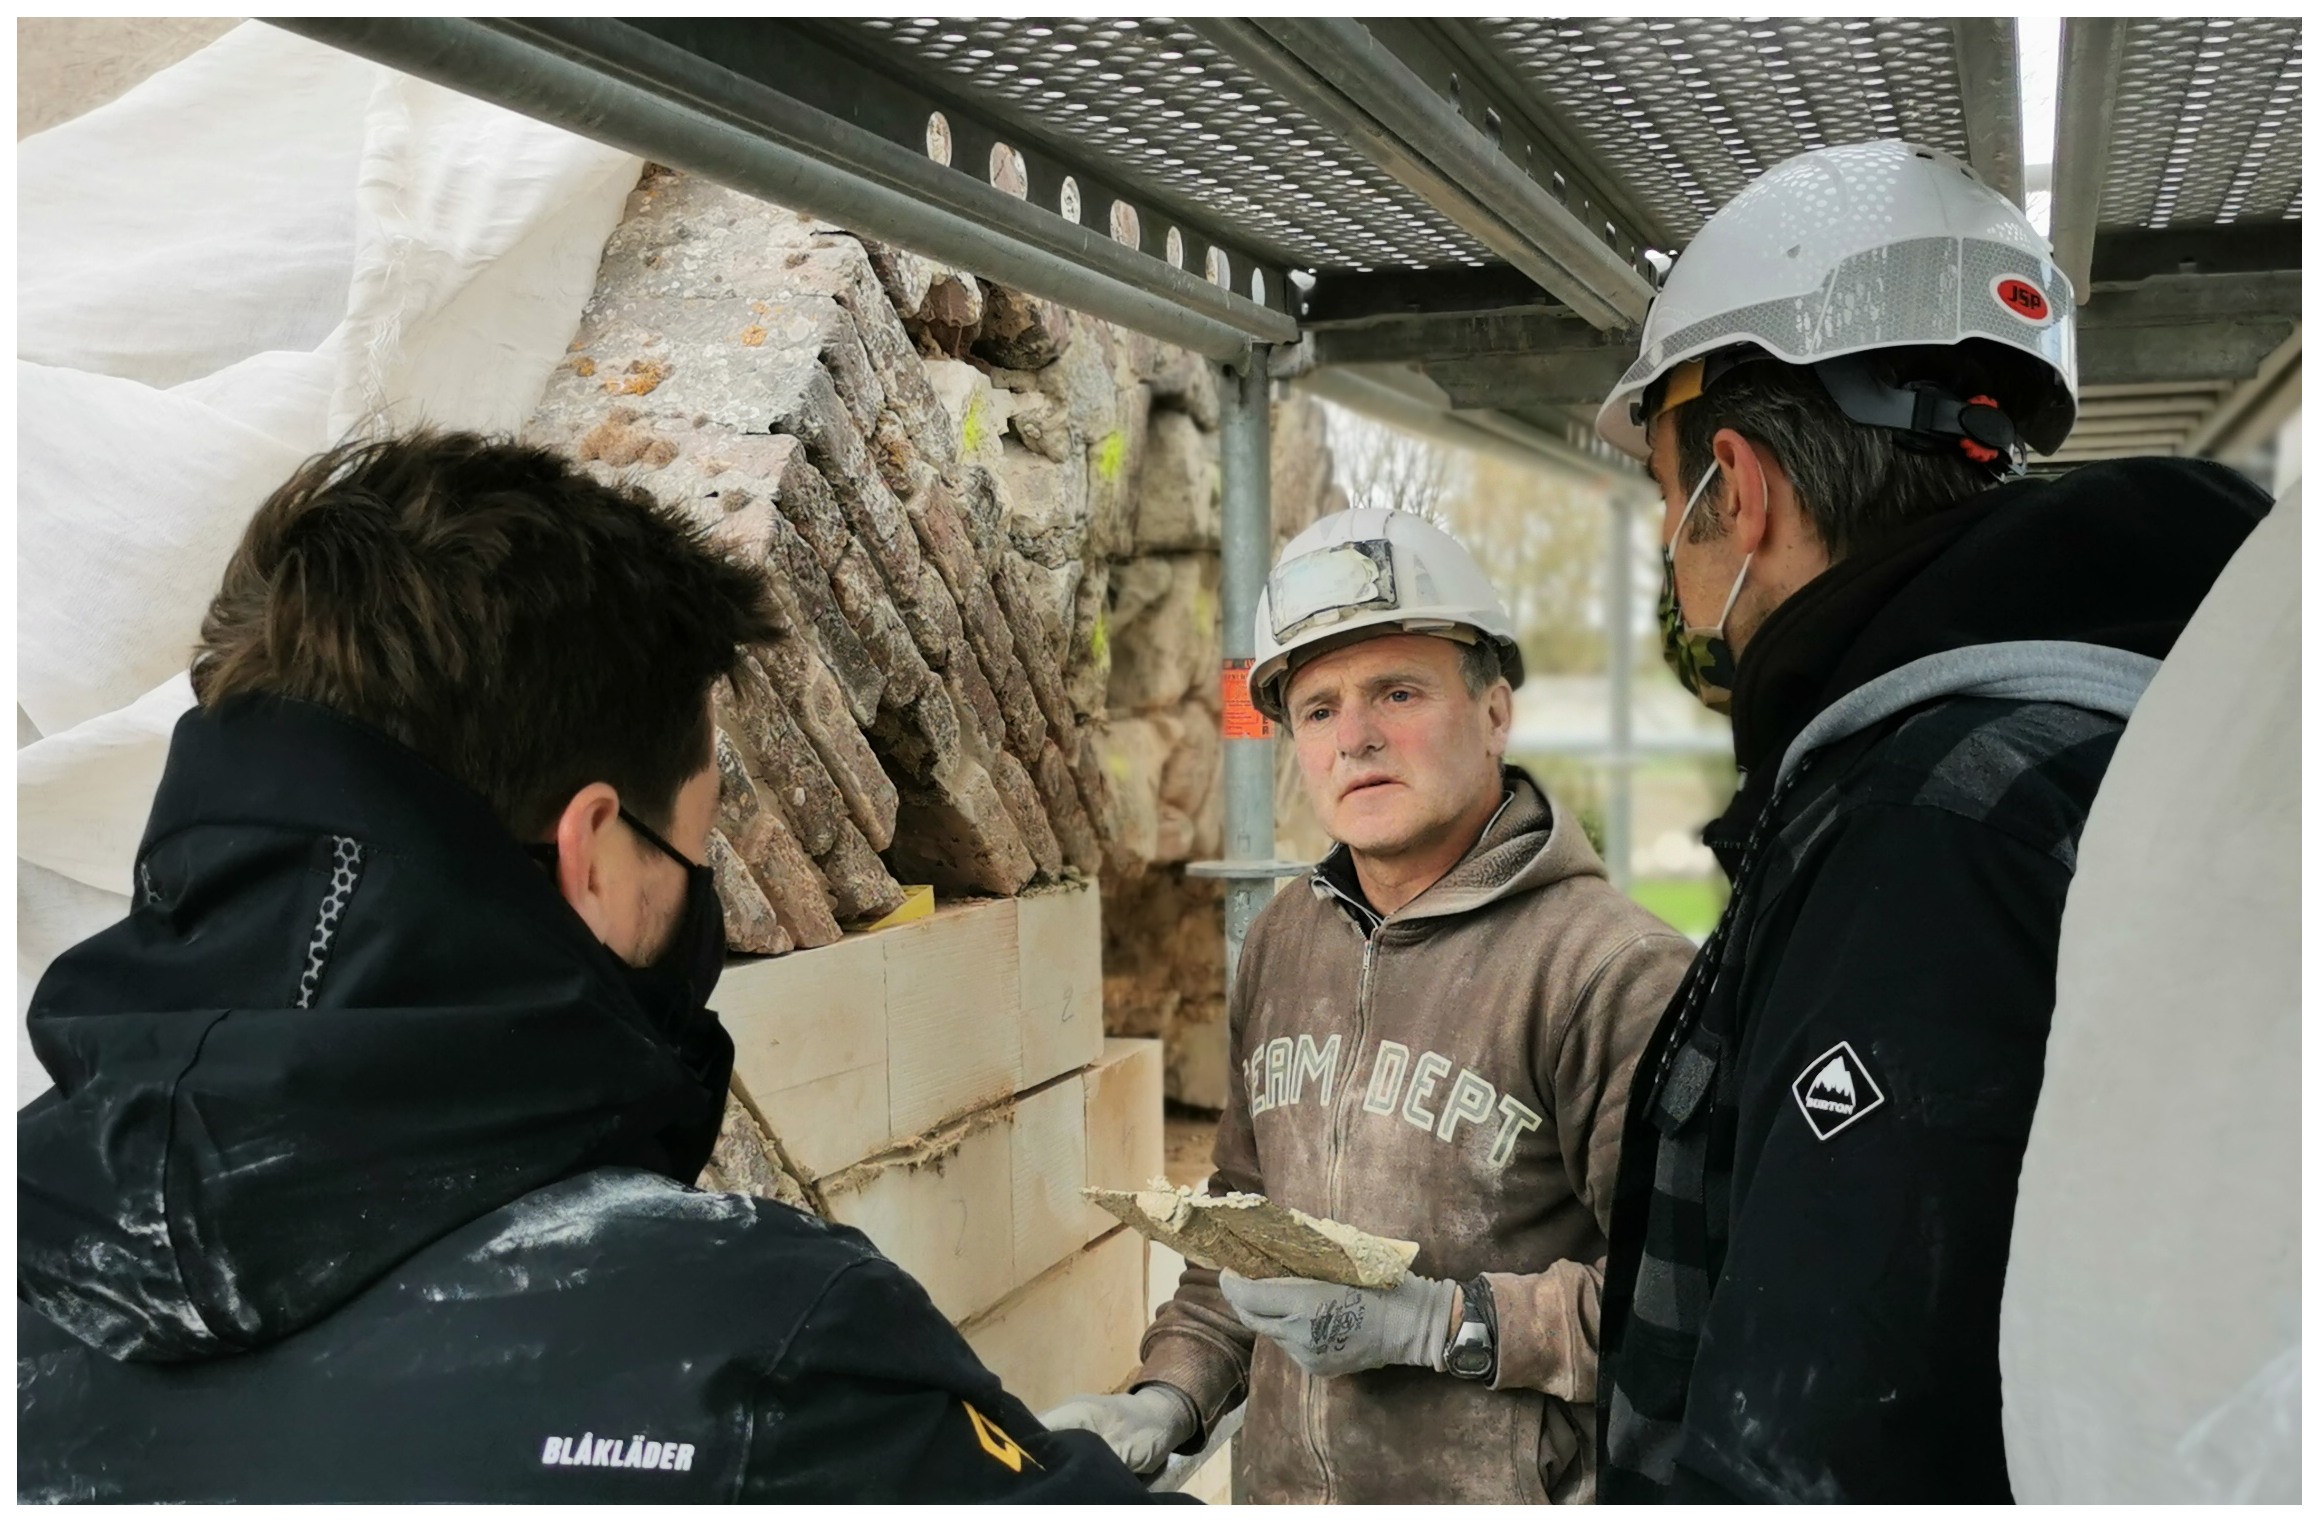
x,y
1460,219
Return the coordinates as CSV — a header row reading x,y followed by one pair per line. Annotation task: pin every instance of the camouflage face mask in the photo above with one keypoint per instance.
x,y
1700,658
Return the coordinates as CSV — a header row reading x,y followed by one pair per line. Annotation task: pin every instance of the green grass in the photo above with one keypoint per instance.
x,y
1690,904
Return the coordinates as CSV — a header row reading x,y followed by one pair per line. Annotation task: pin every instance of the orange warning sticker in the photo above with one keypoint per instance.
x,y
1241,719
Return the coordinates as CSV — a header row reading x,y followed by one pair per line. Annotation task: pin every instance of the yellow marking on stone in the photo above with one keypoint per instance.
x,y
1111,456
1099,643
917,904
583,366
752,335
976,426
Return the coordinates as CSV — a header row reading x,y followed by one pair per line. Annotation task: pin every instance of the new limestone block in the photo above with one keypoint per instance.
x,y
942,1209
954,1015
1126,1132
1050,1170
809,1047
1251,1235
1071,1331
1060,933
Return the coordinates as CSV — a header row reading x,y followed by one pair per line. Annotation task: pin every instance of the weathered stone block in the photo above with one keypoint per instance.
x,y
977,411
1044,428
1186,382
1044,505
1087,662
1179,496
762,839
1135,756
746,1161
760,537
1021,797
1019,332
850,274
905,277
1164,634
1066,811
818,707
750,924
987,626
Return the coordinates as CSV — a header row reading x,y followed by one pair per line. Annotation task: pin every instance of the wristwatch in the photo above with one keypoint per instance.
x,y
1473,1347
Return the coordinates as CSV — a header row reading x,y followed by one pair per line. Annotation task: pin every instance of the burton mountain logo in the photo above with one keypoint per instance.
x,y
1834,1090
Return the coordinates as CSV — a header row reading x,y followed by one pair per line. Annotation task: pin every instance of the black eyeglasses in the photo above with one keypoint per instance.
x,y
544,851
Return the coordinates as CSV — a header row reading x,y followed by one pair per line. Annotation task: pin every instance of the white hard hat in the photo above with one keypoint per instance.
x,y
1375,570
1862,247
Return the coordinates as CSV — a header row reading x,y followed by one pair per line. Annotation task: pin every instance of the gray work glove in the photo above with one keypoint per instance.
x,y
1143,1426
1333,1329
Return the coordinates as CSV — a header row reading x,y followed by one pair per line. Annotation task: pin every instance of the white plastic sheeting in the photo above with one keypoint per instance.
x,y
2152,1324
249,256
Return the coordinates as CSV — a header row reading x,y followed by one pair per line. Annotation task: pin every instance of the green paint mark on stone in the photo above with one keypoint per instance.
x,y
1100,642
976,427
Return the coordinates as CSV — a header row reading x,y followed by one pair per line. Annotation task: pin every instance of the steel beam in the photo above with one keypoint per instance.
x,y
2134,253
2092,51
1407,400
616,84
2254,412
1346,298
1989,73
2181,329
1336,72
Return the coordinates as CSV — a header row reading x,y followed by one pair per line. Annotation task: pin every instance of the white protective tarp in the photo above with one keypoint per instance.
x,y
254,253
2152,1324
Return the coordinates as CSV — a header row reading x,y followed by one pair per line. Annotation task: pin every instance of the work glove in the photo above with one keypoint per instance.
x,y
1334,1329
1143,1426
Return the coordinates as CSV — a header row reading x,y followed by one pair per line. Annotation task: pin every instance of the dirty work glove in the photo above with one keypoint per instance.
x,y
1143,1426
1334,1329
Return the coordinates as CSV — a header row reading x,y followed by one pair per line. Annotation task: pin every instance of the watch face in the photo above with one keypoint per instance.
x,y
1470,1359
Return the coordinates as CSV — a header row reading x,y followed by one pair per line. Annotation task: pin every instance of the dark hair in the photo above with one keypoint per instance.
x,y
1483,665
1855,482
524,627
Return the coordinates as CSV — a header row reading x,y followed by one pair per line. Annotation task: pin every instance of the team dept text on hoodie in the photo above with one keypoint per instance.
x,y
1824,1139
1453,1074
364,1179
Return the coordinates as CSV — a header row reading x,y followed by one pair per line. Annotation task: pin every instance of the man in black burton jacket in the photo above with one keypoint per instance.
x,y
1927,659
366,1172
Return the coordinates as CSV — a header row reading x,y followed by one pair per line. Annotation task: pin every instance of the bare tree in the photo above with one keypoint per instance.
x,y
1383,467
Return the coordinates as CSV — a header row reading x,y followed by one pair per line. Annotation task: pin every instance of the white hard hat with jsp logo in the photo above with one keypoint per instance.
x,y
1848,250
1367,572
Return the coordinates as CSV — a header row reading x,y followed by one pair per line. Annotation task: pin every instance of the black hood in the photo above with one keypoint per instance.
x,y
2118,554
347,1015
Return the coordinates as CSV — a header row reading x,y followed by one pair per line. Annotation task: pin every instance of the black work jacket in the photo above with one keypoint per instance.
x,y
364,1178
1824,1137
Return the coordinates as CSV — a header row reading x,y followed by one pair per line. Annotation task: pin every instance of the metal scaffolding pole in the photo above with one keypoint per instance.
x,y
1619,613
1250,864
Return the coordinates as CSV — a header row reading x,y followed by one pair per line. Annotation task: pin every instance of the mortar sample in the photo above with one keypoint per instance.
x,y
1255,1237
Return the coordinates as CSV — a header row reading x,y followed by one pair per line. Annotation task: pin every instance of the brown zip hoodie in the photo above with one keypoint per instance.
x,y
1456,1077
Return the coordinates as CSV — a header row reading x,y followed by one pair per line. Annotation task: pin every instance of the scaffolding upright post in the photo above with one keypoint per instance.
x,y
1619,616
1249,867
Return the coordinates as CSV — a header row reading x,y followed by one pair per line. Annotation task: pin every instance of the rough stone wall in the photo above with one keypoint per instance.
x,y
992,528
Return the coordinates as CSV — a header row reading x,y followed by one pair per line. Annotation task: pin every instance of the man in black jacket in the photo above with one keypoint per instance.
x,y
365,1176
1927,661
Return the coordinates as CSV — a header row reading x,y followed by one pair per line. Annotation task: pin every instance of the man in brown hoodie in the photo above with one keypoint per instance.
x,y
1431,1040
